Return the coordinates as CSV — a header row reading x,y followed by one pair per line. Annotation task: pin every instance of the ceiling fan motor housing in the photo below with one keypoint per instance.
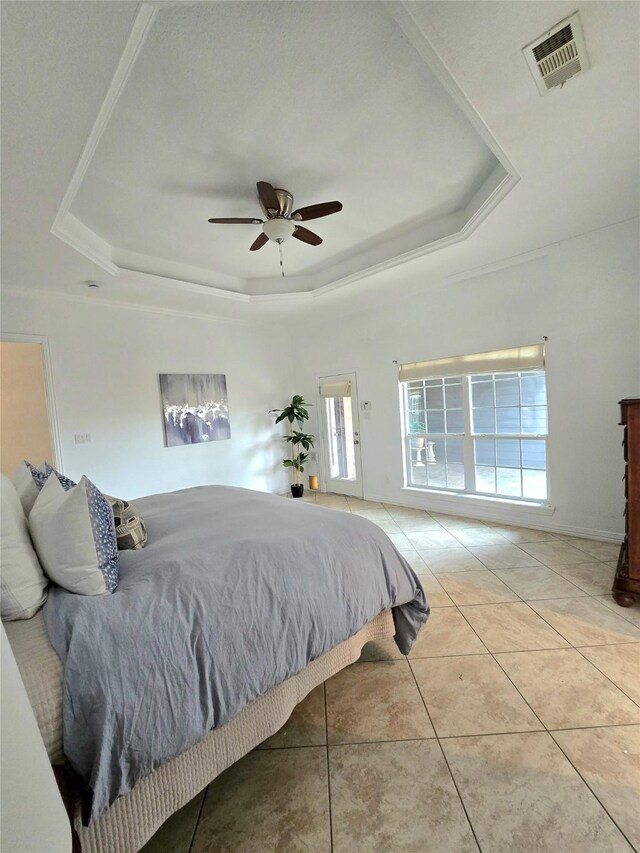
x,y
285,204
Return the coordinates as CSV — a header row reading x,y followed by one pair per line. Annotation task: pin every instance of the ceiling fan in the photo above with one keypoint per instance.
x,y
281,223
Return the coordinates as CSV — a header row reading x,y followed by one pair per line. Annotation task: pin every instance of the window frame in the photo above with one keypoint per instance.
x,y
468,440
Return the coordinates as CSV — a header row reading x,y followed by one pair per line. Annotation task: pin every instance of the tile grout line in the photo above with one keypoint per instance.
x,y
590,789
544,727
493,656
604,594
481,524
507,734
506,582
545,730
556,648
195,828
549,732
507,541
558,631
326,737
595,665
506,673
444,757
457,737
520,599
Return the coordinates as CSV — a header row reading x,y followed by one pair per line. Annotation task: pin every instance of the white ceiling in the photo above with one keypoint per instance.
x,y
327,100
168,159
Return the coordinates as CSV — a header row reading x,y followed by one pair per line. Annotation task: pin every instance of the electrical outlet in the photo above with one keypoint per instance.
x,y
313,456
83,438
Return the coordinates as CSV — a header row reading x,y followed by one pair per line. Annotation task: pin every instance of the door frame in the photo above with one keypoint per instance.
x,y
324,450
52,416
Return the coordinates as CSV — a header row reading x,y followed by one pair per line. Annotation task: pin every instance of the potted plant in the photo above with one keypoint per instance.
x,y
296,412
417,425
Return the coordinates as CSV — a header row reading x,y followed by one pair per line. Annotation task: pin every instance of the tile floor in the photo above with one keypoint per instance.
x,y
512,726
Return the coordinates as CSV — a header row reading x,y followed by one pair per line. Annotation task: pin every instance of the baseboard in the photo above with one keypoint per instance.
x,y
536,518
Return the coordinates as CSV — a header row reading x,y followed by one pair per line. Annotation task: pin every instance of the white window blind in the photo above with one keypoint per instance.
x,y
335,389
506,360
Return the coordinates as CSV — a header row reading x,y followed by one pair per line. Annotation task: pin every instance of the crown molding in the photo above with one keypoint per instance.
x,y
183,285
60,296
503,187
85,241
402,14
139,31
143,269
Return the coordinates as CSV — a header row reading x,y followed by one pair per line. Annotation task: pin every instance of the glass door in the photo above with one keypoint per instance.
x,y
341,434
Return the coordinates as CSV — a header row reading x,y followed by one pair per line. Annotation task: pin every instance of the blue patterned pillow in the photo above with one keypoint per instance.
x,y
104,534
39,474
75,537
28,481
65,482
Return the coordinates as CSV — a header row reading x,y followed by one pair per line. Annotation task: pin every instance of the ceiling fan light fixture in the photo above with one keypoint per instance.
x,y
278,229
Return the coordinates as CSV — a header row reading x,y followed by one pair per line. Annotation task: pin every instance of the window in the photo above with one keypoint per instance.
x,y
477,433
436,432
342,463
509,429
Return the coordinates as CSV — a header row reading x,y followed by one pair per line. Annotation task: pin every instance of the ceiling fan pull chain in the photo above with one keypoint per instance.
x,y
281,258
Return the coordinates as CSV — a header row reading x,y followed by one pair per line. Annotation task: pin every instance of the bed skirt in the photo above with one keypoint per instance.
x,y
132,819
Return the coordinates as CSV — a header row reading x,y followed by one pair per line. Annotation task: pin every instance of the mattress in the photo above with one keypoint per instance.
x,y
132,819
42,672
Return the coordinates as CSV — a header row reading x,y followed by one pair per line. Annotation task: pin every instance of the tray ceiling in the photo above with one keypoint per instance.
x,y
327,100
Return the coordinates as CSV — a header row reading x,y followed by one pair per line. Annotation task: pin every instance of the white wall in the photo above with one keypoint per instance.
x,y
584,295
106,360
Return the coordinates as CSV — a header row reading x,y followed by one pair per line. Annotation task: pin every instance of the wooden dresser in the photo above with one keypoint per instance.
x,y
626,586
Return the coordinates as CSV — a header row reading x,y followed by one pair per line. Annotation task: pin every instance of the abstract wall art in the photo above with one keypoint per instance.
x,y
195,408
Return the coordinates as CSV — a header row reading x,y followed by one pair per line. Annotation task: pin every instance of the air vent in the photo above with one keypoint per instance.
x,y
557,55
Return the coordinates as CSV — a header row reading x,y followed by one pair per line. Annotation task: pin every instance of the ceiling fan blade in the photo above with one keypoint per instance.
x,y
315,211
307,236
259,242
267,196
238,221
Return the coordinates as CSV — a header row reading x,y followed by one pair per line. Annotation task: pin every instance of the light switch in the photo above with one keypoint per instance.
x,y
83,438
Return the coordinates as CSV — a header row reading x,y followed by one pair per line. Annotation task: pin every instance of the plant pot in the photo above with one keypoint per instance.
x,y
297,491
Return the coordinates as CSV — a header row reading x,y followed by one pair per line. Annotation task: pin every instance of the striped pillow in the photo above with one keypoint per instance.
x,y
130,528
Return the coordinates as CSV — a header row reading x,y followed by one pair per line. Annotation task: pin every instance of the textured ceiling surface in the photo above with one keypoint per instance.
x,y
327,100
575,150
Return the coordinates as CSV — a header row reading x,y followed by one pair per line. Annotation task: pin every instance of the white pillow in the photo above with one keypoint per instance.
x,y
23,584
28,481
75,537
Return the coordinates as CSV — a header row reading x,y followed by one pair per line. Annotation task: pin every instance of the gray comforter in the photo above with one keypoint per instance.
x,y
235,592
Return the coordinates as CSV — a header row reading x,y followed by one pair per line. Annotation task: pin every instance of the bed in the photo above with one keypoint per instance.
x,y
329,583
